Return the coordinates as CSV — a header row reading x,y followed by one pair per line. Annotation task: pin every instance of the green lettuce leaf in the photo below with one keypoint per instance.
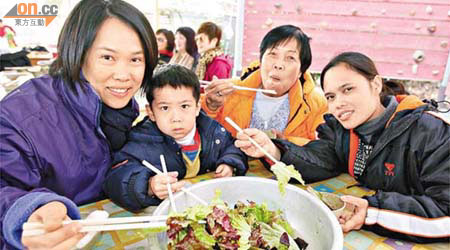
x,y
203,236
243,228
272,235
284,174
260,213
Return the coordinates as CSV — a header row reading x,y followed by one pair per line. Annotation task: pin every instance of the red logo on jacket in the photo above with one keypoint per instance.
x,y
389,169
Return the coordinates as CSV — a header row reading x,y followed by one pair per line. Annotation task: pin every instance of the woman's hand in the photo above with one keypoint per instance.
x,y
223,170
243,142
158,184
217,91
355,220
58,236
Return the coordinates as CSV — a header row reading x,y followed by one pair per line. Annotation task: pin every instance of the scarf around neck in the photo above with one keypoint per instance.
x,y
206,59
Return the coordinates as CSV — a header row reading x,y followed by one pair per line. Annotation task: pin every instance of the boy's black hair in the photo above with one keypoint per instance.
x,y
175,76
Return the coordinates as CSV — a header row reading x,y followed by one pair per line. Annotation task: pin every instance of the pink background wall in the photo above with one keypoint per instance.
x,y
387,31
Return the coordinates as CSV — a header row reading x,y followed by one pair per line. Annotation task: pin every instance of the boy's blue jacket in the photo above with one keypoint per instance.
x,y
127,184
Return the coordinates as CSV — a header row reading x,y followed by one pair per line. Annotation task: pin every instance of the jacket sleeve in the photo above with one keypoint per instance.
x,y
315,161
126,182
220,69
20,187
233,156
431,201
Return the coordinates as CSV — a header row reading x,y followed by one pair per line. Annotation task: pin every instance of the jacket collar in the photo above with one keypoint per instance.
x,y
405,102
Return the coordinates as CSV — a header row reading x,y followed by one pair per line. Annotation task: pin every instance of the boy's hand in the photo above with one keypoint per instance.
x,y
223,170
158,184
58,236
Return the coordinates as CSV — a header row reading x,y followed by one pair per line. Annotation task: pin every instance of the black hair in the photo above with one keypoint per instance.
x,y
175,76
169,37
191,45
79,32
394,88
364,66
284,33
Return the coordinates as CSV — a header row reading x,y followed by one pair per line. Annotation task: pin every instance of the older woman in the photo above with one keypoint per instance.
x,y
212,62
296,108
392,144
57,131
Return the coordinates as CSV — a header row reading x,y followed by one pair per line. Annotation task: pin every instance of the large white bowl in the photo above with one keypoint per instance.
x,y
315,223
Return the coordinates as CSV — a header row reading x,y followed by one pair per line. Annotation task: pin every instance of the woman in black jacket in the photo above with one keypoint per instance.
x,y
391,144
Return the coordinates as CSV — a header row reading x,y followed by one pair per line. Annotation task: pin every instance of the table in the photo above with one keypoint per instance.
x,y
137,239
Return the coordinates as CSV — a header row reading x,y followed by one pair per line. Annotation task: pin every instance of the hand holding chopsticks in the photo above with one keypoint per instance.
x,y
158,172
95,225
239,129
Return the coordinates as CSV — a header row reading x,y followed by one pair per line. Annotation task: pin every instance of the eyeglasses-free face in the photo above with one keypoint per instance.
x,y
162,41
115,64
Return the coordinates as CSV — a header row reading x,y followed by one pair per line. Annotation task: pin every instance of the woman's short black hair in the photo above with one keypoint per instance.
x,y
80,29
174,75
284,33
169,37
191,45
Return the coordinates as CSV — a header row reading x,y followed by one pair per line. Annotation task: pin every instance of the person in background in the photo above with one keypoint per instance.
x,y
391,144
57,132
212,62
191,142
186,53
8,33
296,108
166,44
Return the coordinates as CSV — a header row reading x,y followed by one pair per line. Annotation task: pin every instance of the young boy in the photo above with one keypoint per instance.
x,y
191,142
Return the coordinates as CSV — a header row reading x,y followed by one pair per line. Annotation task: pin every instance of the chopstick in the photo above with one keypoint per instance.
x,y
157,171
169,187
94,225
114,227
94,222
235,126
268,91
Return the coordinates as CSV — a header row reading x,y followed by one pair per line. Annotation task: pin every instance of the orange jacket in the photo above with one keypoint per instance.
x,y
307,107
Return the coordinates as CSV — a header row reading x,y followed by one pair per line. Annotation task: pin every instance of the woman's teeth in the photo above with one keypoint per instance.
x,y
118,90
345,115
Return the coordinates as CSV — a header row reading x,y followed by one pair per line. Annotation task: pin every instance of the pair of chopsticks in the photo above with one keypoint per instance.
x,y
268,91
157,171
169,187
95,225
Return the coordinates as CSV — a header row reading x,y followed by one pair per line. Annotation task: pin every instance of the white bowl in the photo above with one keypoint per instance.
x,y
313,220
